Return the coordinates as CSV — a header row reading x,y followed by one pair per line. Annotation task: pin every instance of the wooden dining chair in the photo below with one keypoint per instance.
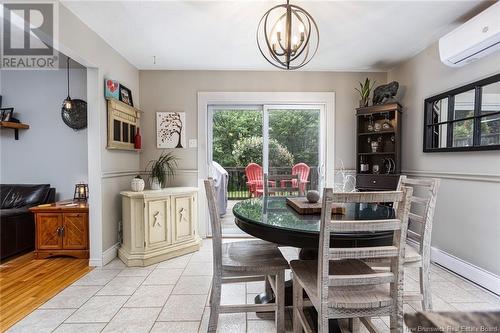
x,y
244,261
283,185
418,253
340,284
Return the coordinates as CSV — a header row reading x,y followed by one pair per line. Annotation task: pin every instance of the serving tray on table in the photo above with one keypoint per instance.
x,y
304,207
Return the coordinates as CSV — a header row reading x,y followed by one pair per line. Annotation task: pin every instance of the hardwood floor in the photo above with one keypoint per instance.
x,y
26,283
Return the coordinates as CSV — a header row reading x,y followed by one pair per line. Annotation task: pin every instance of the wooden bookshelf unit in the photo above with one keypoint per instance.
x,y
378,145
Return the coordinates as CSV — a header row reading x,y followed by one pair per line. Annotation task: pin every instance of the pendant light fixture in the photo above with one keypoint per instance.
x,y
68,102
74,111
287,36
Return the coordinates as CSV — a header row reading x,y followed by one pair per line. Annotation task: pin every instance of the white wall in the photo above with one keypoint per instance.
x,y
177,91
467,221
107,169
49,152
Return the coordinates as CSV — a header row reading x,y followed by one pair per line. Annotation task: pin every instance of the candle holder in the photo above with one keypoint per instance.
x,y
81,192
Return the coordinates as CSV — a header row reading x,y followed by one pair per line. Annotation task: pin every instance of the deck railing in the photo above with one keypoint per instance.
x,y
237,187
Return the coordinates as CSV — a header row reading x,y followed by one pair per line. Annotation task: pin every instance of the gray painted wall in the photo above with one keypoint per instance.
x,y
467,221
177,91
108,168
50,151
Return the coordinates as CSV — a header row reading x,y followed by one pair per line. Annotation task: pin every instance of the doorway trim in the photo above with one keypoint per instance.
x,y
327,99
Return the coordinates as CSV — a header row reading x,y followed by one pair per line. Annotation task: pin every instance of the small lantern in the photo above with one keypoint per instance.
x,y
81,192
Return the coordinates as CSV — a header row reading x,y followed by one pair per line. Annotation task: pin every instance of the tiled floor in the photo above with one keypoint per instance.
x,y
173,297
229,227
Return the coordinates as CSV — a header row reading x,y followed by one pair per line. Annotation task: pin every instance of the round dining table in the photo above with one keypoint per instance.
x,y
273,220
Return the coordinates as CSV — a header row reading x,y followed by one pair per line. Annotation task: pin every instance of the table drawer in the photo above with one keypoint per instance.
x,y
377,182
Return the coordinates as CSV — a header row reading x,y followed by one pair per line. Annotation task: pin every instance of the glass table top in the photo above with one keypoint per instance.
x,y
275,213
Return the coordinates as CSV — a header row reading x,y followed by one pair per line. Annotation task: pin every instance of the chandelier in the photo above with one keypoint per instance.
x,y
287,36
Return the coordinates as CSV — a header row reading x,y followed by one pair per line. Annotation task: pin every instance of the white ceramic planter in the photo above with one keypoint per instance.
x,y
155,184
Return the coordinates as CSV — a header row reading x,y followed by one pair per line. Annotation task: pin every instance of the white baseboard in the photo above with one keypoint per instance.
x,y
110,254
469,271
95,262
464,268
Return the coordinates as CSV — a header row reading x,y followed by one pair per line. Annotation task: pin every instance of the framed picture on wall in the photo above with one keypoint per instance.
x,y
126,95
6,114
170,129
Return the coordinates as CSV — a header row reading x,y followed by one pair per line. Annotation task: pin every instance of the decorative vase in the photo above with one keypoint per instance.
x,y
312,196
137,184
155,184
137,140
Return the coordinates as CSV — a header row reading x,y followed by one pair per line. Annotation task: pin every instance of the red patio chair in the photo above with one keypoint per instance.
x,y
255,181
302,170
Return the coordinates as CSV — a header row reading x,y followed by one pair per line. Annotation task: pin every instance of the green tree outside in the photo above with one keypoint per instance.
x,y
294,137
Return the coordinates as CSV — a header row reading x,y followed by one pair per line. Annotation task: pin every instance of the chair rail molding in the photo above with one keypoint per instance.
x,y
469,176
128,173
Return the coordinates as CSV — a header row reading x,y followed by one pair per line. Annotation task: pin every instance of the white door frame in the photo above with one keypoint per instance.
x,y
326,99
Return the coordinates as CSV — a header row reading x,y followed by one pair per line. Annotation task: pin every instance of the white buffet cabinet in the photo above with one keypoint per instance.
x,y
158,225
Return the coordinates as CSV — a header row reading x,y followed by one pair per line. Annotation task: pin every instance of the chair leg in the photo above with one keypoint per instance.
x,y
267,286
354,325
425,288
298,305
280,302
323,323
397,321
214,305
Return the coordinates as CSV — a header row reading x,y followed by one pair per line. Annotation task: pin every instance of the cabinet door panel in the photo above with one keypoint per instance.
x,y
183,217
47,235
75,234
158,228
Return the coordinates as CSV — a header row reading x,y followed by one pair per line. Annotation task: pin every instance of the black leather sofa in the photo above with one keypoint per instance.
x,y
17,224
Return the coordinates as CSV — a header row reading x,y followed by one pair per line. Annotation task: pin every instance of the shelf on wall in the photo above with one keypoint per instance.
x,y
379,153
15,126
379,132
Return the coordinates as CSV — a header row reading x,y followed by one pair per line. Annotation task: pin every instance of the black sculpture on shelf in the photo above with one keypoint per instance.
x,y
385,93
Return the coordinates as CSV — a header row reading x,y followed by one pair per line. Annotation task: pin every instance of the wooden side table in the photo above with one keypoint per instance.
x,y
62,228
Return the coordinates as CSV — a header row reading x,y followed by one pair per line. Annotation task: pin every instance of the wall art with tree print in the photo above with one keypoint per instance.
x,y
170,129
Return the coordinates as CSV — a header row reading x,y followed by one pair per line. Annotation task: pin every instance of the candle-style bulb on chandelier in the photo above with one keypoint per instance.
x,y
287,36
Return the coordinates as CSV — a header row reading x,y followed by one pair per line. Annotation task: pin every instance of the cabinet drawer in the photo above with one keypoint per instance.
x,y
377,182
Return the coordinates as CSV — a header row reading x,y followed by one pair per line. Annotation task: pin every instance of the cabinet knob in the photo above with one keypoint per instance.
x,y
374,182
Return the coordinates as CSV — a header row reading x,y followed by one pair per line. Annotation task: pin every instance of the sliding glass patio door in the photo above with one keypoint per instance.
x,y
281,139
293,142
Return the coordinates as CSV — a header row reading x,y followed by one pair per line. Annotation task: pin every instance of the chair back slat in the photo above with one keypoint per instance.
x,y
361,279
394,252
416,218
338,253
215,224
360,225
367,197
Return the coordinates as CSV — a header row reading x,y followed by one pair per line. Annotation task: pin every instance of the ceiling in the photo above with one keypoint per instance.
x,y
210,35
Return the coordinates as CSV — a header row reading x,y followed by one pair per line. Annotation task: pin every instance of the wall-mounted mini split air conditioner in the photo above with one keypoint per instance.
x,y
473,40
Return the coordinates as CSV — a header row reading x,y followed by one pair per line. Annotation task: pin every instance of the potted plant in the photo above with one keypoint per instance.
x,y
364,91
161,169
